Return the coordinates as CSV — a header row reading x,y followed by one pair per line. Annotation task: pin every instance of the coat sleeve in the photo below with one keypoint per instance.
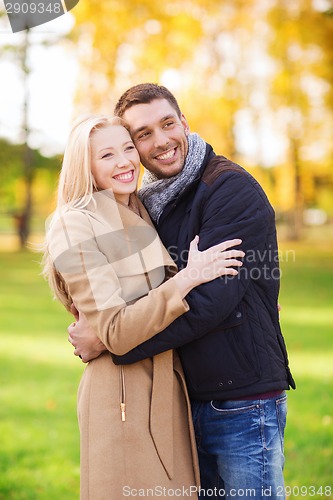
x,y
232,208
96,290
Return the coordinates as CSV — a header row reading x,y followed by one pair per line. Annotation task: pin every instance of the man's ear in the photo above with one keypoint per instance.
x,y
185,125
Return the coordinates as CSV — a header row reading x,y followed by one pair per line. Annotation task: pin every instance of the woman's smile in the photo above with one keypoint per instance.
x,y
125,177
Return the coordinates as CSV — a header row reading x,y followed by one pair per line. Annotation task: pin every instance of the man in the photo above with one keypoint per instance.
x,y
230,343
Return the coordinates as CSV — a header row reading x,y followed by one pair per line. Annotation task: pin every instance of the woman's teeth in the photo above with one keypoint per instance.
x,y
124,177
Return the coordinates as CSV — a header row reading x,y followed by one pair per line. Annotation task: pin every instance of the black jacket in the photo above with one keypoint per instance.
x,y
230,341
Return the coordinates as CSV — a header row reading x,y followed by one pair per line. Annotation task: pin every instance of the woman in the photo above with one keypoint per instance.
x,y
104,255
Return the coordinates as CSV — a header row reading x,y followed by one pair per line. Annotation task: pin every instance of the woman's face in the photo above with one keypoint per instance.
x,y
115,162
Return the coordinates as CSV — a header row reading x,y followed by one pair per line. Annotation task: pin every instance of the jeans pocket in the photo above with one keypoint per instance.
x,y
232,407
281,415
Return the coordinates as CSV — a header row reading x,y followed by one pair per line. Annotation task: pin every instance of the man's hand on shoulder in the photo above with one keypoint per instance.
x,y
87,345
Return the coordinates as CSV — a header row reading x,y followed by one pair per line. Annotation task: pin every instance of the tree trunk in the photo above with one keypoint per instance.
x,y
27,159
296,219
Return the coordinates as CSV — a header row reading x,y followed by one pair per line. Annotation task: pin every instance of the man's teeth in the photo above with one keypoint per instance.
x,y
124,177
167,155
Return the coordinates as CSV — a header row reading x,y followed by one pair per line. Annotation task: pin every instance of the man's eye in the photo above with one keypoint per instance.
x,y
169,124
143,135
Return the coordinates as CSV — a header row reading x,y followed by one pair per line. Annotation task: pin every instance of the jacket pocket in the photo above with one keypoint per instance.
x,y
224,359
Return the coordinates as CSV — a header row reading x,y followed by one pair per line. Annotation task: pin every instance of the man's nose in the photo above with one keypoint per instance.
x,y
161,139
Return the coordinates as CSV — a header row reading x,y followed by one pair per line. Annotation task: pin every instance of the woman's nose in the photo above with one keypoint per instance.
x,y
123,161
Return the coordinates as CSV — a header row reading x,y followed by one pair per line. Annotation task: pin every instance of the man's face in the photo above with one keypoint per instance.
x,y
159,135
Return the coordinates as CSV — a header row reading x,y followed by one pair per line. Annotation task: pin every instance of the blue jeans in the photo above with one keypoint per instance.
x,y
240,447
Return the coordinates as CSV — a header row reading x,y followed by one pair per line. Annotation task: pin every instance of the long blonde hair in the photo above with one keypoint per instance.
x,y
76,187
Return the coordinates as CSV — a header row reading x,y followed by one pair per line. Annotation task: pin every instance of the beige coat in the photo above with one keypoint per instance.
x,y
135,423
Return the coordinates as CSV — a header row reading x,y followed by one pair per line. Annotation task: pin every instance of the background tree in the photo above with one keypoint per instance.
x,y
254,78
21,163
13,186
301,96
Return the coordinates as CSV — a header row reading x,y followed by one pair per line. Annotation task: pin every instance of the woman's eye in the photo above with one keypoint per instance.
x,y
130,148
107,155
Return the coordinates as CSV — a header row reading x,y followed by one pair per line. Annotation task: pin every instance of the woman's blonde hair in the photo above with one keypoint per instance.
x,y
76,186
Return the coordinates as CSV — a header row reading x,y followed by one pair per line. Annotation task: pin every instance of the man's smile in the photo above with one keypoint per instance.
x,y
166,156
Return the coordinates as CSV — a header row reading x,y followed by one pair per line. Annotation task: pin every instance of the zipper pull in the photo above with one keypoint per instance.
x,y
123,414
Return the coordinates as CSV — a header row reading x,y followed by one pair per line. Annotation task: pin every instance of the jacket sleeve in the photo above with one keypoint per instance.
x,y
231,208
96,291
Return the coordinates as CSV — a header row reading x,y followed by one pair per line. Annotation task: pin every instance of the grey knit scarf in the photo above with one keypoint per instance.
x,y
156,193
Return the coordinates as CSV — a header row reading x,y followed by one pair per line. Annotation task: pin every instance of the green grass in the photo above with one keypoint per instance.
x,y
307,321
39,450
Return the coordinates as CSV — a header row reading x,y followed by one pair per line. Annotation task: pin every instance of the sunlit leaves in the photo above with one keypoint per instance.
x,y
254,77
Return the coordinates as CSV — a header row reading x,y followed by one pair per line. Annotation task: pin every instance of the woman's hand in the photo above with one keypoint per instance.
x,y
208,265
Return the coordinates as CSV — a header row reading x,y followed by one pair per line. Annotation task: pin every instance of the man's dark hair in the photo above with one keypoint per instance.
x,y
144,93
